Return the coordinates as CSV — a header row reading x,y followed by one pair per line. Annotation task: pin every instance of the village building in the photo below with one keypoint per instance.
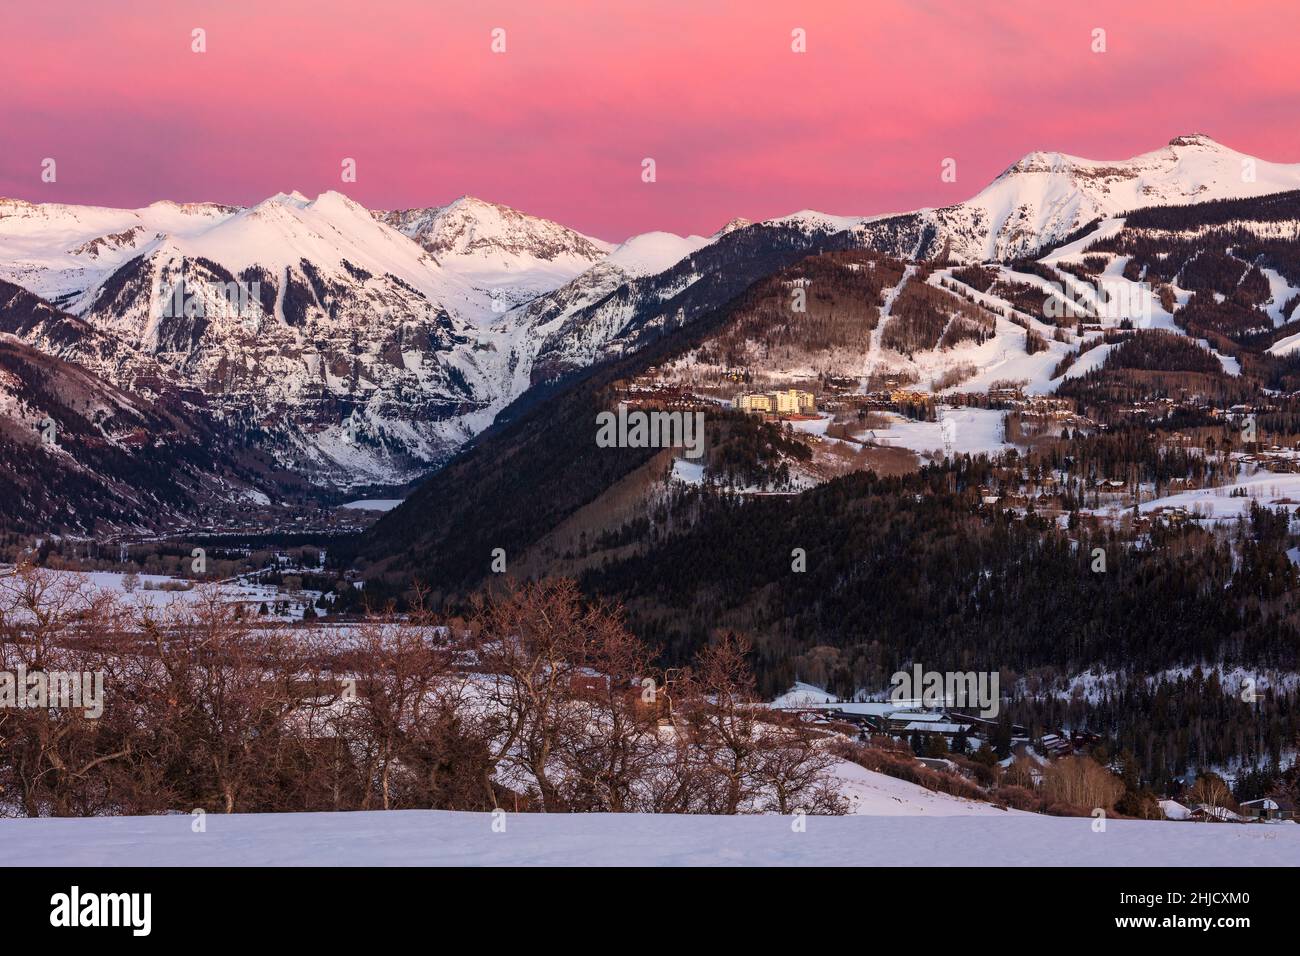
x,y
790,401
1269,809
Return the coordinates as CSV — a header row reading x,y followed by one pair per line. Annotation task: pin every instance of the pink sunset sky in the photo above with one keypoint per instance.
x,y
738,124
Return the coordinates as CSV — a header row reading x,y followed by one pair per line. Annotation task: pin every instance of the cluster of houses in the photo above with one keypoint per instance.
x,y
1046,406
1241,410
892,398
1006,396
1153,409
1274,458
907,719
645,392
1275,809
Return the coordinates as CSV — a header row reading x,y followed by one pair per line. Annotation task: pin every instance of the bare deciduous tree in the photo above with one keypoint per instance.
x,y
539,697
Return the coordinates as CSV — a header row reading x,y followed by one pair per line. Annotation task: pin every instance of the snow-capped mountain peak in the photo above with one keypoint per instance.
x,y
653,252
1046,195
497,249
470,225
293,197
738,223
1197,140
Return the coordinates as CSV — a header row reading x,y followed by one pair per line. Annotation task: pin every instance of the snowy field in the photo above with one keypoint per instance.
x,y
690,472
880,795
891,822
972,430
373,504
431,837
161,591
1270,489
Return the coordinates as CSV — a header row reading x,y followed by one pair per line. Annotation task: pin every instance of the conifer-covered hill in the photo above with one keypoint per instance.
x,y
864,314
538,465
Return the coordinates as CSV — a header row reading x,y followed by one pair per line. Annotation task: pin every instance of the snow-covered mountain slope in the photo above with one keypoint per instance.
x,y
349,347
33,321
58,251
360,347
1221,275
509,254
653,252
633,297
336,340
568,318
1046,196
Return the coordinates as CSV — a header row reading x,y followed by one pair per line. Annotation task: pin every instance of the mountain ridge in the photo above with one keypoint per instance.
x,y
376,343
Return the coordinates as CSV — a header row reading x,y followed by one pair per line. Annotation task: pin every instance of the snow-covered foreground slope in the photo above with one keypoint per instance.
x,y
890,822
879,795
432,837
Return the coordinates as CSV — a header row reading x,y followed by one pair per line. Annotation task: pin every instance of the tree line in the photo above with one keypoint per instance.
x,y
535,700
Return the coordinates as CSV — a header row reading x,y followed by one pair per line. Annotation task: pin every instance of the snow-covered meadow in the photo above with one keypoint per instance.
x,y
161,591
890,822
973,431
433,837
1265,488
